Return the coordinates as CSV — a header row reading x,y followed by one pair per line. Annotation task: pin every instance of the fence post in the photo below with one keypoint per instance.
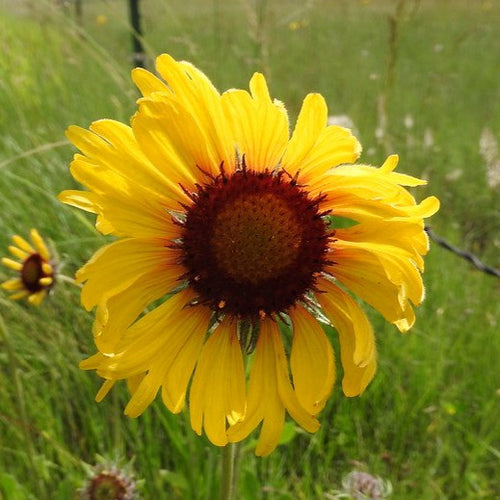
x,y
138,55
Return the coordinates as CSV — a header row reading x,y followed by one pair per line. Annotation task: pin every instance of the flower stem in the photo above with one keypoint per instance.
x,y
67,279
230,457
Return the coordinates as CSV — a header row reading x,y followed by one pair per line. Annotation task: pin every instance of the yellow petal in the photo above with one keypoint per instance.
x,y
311,361
23,244
12,284
165,344
103,391
17,252
315,148
270,393
260,125
19,295
152,347
40,244
402,179
47,281
357,342
145,393
264,402
399,264
114,166
16,266
115,267
361,191
47,268
80,199
134,382
151,339
141,215
311,122
37,298
271,431
112,147
379,281
185,127
164,131
402,238
218,387
115,314
93,362
427,207
182,365
147,82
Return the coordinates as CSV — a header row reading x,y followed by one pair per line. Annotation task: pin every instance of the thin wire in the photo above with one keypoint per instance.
x,y
462,253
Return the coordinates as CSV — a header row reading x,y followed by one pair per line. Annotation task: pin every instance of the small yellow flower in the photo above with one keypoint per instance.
x,y
35,268
101,19
296,25
233,224
449,408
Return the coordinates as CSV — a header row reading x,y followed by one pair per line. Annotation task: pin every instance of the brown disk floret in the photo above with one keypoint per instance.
x,y
253,242
32,272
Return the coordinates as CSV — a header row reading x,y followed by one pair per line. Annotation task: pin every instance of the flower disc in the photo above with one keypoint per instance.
x,y
253,243
32,272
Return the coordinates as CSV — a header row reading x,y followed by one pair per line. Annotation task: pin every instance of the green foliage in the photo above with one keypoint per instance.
x,y
429,421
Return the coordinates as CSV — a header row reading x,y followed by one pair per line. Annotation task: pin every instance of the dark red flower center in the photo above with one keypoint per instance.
x,y
31,273
253,243
108,486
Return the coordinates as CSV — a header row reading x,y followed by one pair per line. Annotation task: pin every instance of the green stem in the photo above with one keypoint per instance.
x,y
230,457
67,279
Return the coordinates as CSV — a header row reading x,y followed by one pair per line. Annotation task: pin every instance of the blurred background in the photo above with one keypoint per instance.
x,y
415,77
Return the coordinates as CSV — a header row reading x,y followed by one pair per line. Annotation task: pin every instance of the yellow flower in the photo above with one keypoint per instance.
x,y
231,223
296,25
34,266
101,19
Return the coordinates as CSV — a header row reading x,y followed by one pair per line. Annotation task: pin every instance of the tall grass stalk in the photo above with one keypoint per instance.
x,y
20,404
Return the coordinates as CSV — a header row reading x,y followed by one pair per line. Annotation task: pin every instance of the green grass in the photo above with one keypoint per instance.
x,y
429,421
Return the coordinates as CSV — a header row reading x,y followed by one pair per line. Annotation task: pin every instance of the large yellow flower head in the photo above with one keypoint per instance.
x,y
225,224
34,266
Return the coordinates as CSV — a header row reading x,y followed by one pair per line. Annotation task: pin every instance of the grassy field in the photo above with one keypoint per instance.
x,y
420,80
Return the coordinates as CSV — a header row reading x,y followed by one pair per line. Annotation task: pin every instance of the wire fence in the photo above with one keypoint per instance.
x,y
473,259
